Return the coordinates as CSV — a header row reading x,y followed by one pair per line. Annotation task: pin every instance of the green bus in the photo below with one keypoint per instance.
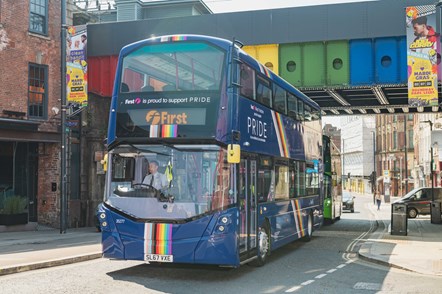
x,y
332,182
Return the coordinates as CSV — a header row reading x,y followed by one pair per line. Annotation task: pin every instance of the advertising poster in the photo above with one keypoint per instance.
x,y
76,66
423,55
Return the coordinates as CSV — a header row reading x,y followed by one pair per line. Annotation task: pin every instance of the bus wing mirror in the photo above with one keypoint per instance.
x,y
233,153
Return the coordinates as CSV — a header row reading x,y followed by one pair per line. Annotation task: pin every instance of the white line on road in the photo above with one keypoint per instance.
x,y
331,271
296,288
320,276
341,265
307,282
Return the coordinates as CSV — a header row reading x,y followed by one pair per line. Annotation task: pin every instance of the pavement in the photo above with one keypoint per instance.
x,y
419,251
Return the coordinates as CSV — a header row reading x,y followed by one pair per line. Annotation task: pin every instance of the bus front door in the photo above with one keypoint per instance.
x,y
248,206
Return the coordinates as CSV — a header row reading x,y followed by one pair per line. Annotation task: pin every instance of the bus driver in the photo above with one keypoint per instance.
x,y
154,178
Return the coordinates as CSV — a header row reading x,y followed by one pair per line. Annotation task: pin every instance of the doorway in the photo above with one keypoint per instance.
x,y
247,207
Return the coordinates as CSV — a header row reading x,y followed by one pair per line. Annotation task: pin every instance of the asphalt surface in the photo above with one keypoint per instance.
x,y
417,251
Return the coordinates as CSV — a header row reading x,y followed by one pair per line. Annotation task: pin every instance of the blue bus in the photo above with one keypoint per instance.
x,y
212,158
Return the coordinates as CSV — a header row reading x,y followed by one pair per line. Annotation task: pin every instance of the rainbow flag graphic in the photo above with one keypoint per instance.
x,y
169,131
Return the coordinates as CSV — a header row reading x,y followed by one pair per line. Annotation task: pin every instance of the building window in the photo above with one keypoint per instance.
x,y
394,140
37,91
38,12
410,140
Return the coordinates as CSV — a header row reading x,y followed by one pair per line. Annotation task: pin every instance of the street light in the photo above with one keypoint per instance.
x,y
431,158
400,175
433,220
374,161
63,157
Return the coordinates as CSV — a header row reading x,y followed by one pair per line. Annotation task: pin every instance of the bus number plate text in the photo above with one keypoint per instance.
x,y
159,258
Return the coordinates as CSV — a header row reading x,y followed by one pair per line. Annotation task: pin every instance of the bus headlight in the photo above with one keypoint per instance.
x,y
104,224
224,219
221,228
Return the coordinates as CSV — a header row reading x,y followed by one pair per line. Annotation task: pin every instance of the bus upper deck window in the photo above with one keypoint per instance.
x,y
247,76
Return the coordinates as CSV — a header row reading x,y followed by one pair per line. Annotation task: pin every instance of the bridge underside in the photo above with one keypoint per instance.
x,y
388,99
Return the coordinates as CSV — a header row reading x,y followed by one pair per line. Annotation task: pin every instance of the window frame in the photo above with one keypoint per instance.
x,y
44,17
244,67
277,90
44,103
266,84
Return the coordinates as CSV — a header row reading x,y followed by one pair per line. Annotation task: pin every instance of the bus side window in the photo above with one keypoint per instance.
x,y
292,179
279,102
300,110
292,106
266,180
247,81
282,181
124,88
307,112
263,91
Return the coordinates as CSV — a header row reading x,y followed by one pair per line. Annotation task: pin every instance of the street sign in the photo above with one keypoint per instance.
x,y
386,176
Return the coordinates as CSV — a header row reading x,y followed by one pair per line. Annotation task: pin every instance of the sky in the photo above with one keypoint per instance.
x,y
333,120
219,6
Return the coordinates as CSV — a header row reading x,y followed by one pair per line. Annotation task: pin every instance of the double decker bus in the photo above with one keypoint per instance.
x,y
237,148
332,183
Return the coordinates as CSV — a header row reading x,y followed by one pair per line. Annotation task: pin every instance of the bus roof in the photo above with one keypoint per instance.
x,y
224,44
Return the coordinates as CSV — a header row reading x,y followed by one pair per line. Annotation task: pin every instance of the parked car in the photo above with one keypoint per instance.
x,y
419,200
348,201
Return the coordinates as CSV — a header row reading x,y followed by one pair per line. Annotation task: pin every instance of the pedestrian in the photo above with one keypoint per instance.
x,y
377,196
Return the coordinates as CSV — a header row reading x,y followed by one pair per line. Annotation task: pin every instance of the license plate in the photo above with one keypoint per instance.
x,y
159,258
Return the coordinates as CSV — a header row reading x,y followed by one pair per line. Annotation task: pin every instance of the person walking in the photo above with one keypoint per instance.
x,y
377,196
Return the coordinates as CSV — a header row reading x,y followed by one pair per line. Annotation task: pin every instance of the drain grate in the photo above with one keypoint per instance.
x,y
367,286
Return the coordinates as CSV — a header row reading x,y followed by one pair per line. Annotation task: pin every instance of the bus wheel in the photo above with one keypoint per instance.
x,y
309,233
263,245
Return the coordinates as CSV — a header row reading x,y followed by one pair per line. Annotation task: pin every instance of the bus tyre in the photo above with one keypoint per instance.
x,y
263,245
309,232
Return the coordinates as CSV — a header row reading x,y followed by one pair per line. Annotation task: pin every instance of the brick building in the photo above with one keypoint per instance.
x,y
30,107
395,157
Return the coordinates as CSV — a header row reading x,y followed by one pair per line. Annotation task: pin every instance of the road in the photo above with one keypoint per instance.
x,y
327,264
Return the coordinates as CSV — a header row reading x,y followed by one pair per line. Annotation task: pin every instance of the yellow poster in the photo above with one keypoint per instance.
x,y
76,89
422,89
76,66
423,55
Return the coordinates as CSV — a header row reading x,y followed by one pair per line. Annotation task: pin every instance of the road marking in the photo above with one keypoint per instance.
x,y
341,265
331,271
293,289
320,276
307,282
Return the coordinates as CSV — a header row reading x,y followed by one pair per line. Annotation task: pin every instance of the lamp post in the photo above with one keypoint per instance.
x,y
434,218
400,175
405,153
374,159
431,158
63,151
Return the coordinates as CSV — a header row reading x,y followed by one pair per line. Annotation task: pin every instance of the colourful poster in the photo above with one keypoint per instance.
x,y
76,85
76,66
423,55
